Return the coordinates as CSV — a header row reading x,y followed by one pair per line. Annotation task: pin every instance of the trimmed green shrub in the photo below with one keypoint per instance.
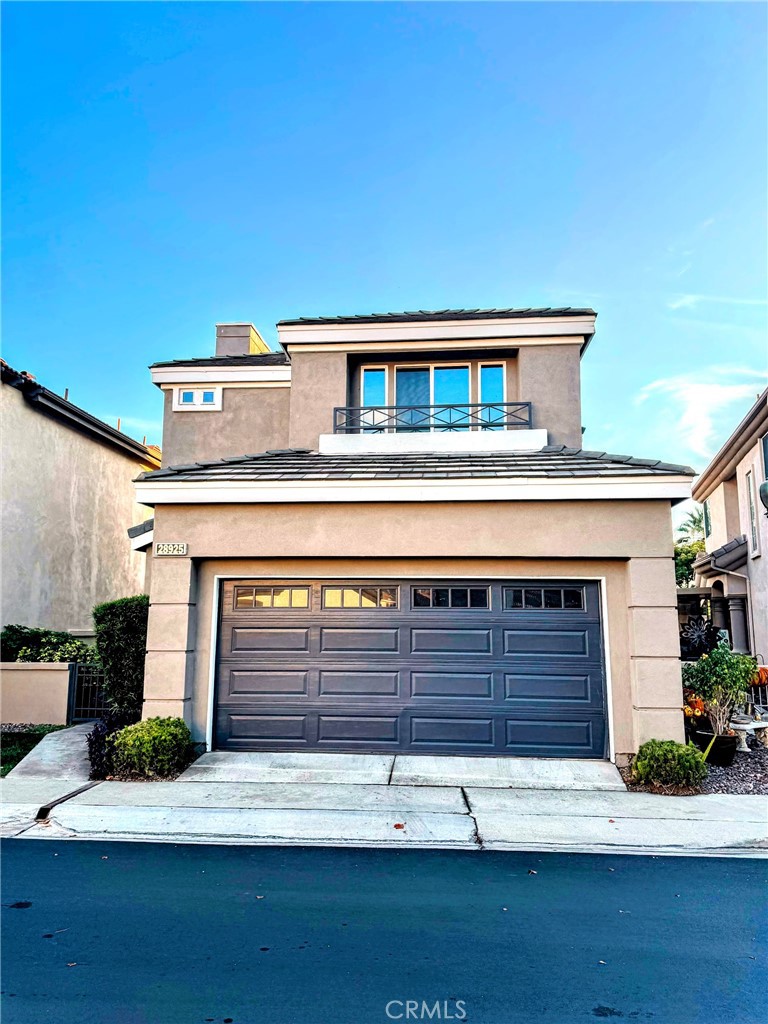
x,y
154,748
27,643
121,640
99,739
666,763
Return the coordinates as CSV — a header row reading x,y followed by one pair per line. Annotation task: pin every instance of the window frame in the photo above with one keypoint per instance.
x,y
490,365
707,518
374,366
197,404
754,530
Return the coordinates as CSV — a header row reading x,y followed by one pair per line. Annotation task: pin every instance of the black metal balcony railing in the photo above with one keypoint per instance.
x,y
391,419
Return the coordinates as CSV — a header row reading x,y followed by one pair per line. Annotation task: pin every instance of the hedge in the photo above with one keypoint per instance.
x,y
121,640
28,643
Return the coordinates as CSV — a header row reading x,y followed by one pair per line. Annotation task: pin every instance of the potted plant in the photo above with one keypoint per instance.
x,y
720,679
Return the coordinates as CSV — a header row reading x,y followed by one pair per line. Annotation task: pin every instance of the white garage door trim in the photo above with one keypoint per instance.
x,y
219,578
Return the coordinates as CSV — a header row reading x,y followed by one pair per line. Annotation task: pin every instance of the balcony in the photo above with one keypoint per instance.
x,y
412,419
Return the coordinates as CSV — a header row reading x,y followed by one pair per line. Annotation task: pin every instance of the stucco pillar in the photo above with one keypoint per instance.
x,y
169,664
719,613
656,678
737,607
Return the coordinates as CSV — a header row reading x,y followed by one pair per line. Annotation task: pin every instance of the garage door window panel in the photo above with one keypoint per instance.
x,y
544,599
258,598
450,597
368,598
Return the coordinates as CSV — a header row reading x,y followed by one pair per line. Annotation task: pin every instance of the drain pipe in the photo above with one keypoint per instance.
x,y
750,609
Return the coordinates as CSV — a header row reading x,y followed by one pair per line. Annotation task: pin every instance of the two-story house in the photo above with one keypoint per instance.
x,y
386,537
735,564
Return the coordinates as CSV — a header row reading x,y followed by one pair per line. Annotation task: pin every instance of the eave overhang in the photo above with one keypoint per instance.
x,y
745,436
639,488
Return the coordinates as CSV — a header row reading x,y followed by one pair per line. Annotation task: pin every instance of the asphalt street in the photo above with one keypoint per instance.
x,y
140,933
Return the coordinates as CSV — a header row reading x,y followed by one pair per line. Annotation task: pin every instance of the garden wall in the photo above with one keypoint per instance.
x,y
35,693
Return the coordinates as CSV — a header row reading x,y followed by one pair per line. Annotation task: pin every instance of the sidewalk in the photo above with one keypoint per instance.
x,y
344,814
376,800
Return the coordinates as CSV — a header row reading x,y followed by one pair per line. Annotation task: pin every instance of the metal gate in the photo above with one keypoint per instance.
x,y
87,700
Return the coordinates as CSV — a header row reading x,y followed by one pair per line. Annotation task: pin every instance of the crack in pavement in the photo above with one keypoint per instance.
x,y
477,838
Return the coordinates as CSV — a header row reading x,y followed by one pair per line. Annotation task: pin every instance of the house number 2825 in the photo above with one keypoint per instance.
x,y
170,548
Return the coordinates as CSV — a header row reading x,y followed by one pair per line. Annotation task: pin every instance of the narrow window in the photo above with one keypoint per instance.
x,y
374,387
492,395
707,519
752,505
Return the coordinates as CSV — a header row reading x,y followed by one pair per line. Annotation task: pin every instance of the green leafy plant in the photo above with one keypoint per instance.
x,y
154,748
686,553
121,640
61,650
664,763
28,643
721,679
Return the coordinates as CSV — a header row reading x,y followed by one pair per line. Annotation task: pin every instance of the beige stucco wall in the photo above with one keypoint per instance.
x,y
34,693
67,502
757,562
549,377
723,515
251,420
318,385
729,517
628,544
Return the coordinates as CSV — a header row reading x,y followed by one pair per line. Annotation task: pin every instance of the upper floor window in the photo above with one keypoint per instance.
x,y
707,519
754,537
764,446
196,399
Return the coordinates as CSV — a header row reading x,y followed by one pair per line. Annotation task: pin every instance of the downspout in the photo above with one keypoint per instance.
x,y
750,611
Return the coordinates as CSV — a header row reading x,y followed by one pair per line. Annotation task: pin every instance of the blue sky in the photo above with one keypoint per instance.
x,y
167,166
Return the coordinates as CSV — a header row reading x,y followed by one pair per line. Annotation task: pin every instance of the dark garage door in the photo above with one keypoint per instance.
x,y
469,667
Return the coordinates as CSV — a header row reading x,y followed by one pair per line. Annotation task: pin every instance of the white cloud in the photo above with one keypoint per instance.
x,y
698,399
691,301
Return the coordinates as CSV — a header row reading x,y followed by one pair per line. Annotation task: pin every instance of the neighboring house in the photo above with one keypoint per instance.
x,y
67,499
735,565
386,536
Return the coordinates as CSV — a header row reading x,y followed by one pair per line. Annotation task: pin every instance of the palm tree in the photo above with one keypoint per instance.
x,y
692,527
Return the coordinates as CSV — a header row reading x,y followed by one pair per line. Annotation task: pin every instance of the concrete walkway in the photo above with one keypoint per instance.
x,y
59,755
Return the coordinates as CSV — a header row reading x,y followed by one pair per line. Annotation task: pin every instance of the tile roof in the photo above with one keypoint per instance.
x,y
552,462
441,314
272,359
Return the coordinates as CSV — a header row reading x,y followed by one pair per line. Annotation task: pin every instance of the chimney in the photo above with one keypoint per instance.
x,y
239,340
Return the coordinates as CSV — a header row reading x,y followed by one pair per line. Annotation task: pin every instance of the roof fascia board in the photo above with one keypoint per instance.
x,y
440,345
671,488
745,436
219,374
59,408
581,327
